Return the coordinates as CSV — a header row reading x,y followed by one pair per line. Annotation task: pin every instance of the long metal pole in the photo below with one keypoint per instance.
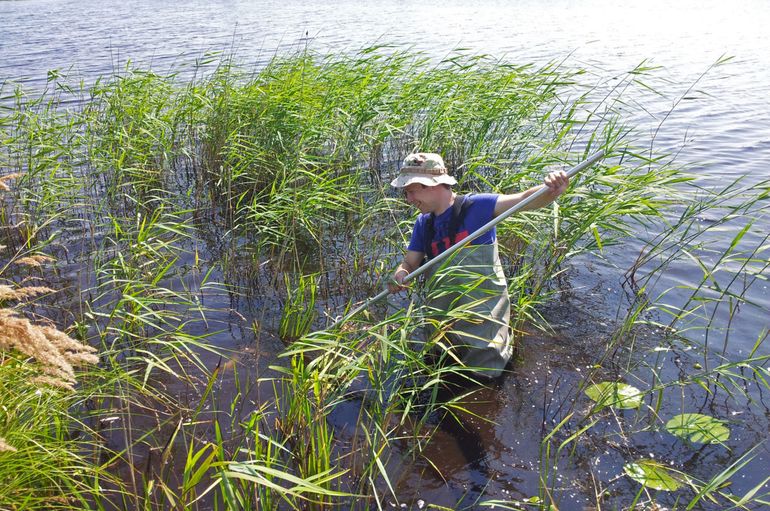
x,y
484,228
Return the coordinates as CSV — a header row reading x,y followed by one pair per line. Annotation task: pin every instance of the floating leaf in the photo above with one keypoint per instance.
x,y
652,474
619,395
698,428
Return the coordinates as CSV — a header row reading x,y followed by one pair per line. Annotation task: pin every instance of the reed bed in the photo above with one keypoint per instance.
x,y
171,206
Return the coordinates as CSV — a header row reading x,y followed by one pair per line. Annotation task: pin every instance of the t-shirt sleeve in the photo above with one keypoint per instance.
x,y
482,210
417,241
484,205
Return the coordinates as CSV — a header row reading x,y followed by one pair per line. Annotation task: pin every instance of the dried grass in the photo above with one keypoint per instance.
x,y
5,447
4,185
22,293
55,352
35,261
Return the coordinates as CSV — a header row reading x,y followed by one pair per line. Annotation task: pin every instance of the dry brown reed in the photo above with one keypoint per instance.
x,y
55,352
3,181
5,447
22,293
35,261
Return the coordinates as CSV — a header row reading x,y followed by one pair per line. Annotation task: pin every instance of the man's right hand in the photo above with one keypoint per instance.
x,y
412,260
397,282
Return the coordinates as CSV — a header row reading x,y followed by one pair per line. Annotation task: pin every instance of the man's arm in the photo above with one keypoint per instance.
x,y
411,262
556,182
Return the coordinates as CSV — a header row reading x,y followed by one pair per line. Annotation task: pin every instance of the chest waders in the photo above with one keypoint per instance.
x,y
470,291
431,265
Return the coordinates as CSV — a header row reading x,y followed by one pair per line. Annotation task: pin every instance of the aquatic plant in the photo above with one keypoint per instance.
x,y
42,463
273,181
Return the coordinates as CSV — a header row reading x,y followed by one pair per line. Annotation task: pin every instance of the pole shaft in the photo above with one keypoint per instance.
x,y
484,228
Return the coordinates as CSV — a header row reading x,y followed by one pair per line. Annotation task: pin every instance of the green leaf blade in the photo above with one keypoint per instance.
x,y
652,474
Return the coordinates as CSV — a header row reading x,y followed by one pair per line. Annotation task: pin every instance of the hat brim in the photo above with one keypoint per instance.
x,y
407,179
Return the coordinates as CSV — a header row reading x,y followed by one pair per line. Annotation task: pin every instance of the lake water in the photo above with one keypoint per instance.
x,y
724,132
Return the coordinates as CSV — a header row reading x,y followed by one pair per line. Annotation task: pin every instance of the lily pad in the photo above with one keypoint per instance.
x,y
652,474
698,428
619,395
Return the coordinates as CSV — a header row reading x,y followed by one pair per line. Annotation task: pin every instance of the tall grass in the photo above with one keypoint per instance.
x,y
153,187
44,464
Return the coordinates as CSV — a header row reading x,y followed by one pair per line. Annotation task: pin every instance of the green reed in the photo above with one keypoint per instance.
x,y
36,134
281,174
299,310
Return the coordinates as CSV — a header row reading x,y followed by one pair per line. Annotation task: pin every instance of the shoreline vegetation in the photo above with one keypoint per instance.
x,y
145,219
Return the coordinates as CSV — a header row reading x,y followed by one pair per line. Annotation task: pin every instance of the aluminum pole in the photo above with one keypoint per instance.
x,y
484,228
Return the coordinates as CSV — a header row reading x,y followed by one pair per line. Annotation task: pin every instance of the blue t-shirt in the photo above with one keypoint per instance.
x,y
480,212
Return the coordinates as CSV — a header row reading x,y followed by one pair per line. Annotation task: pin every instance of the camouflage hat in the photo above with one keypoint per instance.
x,y
424,168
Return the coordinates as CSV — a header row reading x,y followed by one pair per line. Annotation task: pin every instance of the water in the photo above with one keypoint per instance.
x,y
724,132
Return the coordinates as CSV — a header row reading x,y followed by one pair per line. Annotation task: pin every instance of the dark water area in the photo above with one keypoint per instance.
x,y
720,128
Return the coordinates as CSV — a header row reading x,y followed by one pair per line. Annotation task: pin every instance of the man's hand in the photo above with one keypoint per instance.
x,y
412,261
557,182
397,282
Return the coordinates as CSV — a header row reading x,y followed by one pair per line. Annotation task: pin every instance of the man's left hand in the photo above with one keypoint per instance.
x,y
557,182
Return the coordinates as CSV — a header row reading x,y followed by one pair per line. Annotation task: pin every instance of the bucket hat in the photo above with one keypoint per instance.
x,y
424,168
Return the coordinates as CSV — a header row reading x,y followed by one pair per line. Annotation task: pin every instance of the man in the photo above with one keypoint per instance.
x,y
479,335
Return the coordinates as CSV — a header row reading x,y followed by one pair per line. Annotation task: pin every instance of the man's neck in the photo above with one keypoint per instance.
x,y
446,201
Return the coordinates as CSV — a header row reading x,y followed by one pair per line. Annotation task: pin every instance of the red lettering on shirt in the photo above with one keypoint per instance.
x,y
434,247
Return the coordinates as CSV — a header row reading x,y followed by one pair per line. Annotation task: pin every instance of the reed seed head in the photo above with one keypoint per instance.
x,y
4,181
35,261
22,293
55,352
5,447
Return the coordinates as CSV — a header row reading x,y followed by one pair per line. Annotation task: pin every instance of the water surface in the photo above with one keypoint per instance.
x,y
718,123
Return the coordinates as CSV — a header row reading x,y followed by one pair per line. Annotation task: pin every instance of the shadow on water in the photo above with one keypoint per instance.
x,y
490,448
486,443
467,447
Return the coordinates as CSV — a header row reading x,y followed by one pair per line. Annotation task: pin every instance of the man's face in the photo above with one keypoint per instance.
x,y
420,196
